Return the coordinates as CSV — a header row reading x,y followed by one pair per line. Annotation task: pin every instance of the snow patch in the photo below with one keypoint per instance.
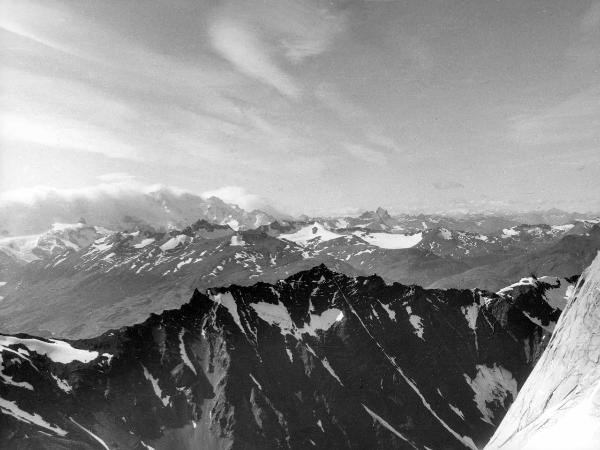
x,y
144,243
227,300
471,312
509,232
309,234
386,425
492,386
255,381
330,370
237,241
12,409
416,322
155,387
390,240
62,384
390,312
100,441
175,242
57,351
184,356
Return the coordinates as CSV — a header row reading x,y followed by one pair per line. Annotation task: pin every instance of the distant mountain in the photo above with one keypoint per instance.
x,y
569,256
317,360
559,404
479,223
128,209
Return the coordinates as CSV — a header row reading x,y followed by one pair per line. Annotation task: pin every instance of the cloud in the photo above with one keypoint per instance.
x,y
238,196
260,40
445,185
330,96
574,120
247,53
366,154
116,177
590,21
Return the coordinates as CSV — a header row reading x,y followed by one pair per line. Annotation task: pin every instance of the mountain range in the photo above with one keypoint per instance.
x,y
371,331
318,359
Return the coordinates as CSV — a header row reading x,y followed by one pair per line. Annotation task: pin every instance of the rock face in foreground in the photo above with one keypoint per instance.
x,y
319,360
559,405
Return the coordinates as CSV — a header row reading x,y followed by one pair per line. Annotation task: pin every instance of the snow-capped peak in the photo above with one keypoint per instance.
x,y
312,233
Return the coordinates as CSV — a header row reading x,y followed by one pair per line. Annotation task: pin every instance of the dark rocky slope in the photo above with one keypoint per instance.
x,y
319,359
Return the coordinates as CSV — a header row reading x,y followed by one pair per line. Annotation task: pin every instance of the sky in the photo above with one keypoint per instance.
x,y
319,107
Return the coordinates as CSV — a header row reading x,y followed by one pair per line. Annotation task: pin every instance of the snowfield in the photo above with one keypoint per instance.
x,y
57,351
309,234
389,240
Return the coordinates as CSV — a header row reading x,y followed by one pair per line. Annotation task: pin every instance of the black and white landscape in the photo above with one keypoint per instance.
x,y
298,224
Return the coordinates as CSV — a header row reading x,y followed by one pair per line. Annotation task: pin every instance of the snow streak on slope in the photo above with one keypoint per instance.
x,y
11,409
388,426
559,404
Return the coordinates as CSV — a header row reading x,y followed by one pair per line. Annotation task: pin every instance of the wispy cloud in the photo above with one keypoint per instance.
x,y
259,41
247,52
238,195
572,121
590,22
366,153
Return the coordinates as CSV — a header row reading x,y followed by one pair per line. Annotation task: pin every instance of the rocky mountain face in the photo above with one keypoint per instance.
x,y
317,360
559,405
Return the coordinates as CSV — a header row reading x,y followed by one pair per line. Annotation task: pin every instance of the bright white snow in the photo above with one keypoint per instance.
x,y
57,351
391,313
306,235
255,381
390,240
156,387
471,312
509,232
330,370
175,242
62,384
277,314
12,409
415,321
237,241
386,424
184,356
6,379
491,385
144,243
100,441
227,300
